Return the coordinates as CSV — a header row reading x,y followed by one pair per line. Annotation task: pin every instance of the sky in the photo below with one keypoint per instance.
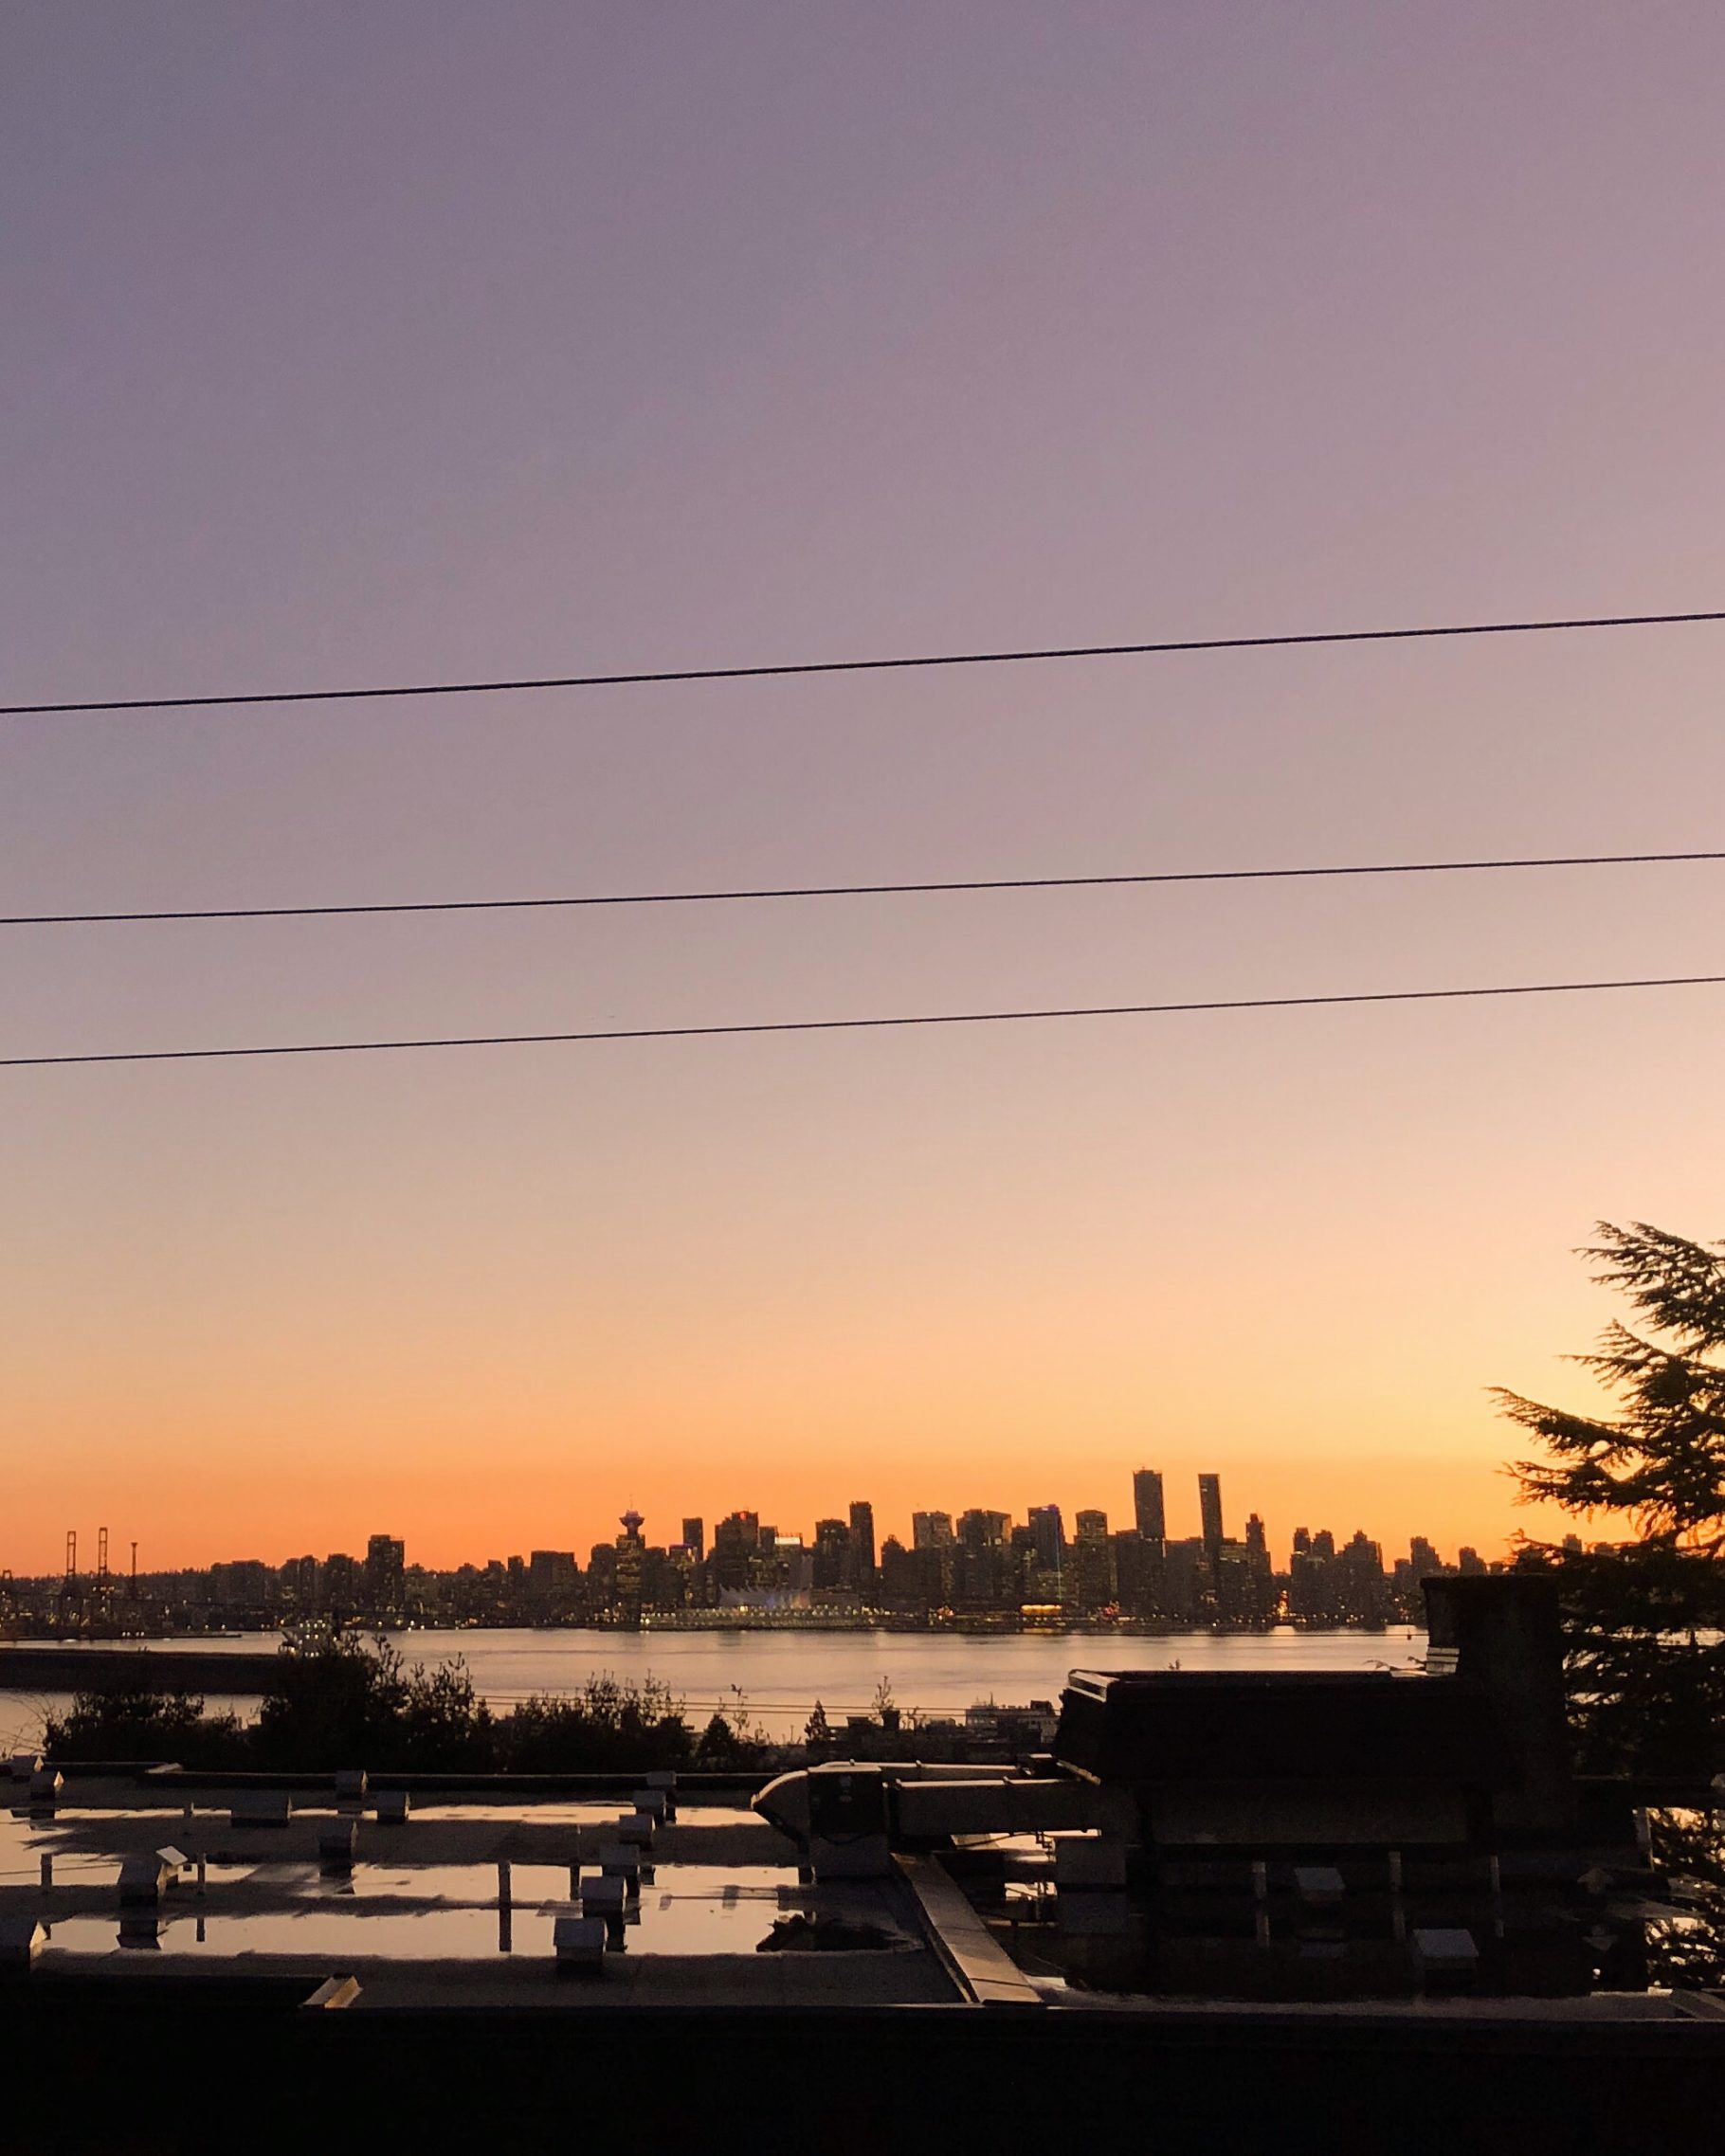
x,y
421,341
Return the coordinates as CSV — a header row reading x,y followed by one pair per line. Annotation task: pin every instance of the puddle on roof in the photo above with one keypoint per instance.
x,y
450,1912
330,1932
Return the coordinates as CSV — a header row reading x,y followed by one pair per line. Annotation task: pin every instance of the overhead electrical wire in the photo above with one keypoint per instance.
x,y
848,889
903,663
860,1025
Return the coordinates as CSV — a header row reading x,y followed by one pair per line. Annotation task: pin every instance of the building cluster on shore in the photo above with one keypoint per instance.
x,y
978,1568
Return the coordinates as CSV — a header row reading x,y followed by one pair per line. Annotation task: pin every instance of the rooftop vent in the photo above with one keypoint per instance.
x,y
578,1943
142,1879
602,1895
260,1807
1447,1960
336,1846
617,1860
332,1994
21,1940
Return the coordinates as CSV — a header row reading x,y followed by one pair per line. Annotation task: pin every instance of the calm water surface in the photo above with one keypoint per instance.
x,y
779,1676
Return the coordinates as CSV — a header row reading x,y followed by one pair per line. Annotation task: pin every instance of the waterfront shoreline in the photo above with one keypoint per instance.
x,y
671,1624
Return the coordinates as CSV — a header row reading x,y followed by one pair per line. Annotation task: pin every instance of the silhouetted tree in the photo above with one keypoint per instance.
x,y
131,1720
359,1704
442,1724
338,1707
355,1703
1688,1947
606,1726
721,1747
1646,1663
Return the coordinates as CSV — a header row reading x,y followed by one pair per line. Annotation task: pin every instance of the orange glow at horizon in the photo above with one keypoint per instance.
x,y
497,1347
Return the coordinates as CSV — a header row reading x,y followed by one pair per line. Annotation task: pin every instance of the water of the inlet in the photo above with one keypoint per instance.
x,y
776,1677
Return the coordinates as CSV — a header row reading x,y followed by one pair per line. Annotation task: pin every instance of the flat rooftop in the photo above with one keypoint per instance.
x,y
458,1905
958,2016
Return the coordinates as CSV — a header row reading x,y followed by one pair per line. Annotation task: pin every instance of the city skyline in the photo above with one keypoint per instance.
x,y
981,1570
1148,1509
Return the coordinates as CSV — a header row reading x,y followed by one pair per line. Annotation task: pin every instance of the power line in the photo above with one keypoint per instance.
x,y
662,675
848,890
860,1025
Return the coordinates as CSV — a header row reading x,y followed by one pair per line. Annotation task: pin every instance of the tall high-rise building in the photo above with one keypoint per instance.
x,y
1150,1515
551,1578
631,1560
1259,1584
736,1541
385,1567
695,1538
863,1541
930,1530
300,1582
832,1566
339,1587
1050,1536
1089,1582
1210,1511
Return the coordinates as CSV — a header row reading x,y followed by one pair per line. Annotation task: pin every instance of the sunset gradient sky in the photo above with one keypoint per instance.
x,y
422,339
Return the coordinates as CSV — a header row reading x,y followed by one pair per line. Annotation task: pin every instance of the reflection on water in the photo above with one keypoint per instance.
x,y
343,1934
453,1912
783,1674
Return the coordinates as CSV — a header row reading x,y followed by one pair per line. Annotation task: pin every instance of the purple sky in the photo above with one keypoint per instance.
x,y
419,339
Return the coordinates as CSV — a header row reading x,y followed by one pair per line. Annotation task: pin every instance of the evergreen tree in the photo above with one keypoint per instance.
x,y
1644,1618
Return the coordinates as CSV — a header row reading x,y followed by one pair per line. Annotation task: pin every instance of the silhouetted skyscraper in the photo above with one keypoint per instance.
x,y
632,1553
385,1558
342,1580
1050,1536
832,1566
1149,1512
736,1543
1210,1511
863,1541
1090,1577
